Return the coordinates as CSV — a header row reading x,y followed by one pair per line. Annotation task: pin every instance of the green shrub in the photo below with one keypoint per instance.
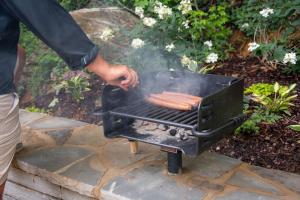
x,y
273,100
196,37
75,83
35,109
277,100
272,24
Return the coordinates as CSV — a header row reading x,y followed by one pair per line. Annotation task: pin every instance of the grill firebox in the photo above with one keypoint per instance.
x,y
127,115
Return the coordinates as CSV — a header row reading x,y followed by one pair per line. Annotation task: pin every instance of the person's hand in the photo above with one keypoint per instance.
x,y
121,76
117,75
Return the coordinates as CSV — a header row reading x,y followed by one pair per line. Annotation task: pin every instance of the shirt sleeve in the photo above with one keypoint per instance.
x,y
55,26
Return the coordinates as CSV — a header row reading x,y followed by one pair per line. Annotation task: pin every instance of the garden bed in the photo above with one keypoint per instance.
x,y
275,146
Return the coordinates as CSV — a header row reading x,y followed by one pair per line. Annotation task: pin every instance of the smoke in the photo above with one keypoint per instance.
x,y
159,70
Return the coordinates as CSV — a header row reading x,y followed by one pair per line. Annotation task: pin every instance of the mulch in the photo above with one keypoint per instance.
x,y
275,146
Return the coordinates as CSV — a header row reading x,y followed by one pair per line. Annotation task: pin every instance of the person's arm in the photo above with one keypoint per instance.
x,y
55,26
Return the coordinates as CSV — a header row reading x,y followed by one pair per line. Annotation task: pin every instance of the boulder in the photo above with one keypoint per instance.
x,y
95,20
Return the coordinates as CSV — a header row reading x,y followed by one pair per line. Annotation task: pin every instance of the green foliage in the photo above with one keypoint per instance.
x,y
187,32
273,100
295,127
259,115
260,89
73,4
40,72
76,86
210,25
35,109
280,100
273,31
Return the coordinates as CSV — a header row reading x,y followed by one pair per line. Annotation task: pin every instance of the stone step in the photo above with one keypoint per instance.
x,y
26,186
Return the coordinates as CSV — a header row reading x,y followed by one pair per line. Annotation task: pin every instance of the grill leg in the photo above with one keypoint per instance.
x,y
134,148
174,162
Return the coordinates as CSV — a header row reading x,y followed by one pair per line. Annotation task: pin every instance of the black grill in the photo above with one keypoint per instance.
x,y
218,114
145,111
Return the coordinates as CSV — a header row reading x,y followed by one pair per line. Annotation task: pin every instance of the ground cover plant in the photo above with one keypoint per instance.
x,y
203,37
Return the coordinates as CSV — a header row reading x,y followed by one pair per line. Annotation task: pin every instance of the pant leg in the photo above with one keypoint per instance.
x,y
10,131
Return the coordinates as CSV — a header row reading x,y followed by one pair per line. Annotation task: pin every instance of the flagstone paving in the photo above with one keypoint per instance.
x,y
67,159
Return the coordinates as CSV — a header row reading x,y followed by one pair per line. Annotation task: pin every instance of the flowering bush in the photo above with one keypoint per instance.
x,y
272,25
178,27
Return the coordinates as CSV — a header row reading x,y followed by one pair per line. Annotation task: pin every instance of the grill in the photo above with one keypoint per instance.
x,y
127,115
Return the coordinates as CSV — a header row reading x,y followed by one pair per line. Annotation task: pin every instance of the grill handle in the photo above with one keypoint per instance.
x,y
231,124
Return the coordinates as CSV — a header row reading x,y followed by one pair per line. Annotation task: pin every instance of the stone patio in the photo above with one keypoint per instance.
x,y
67,159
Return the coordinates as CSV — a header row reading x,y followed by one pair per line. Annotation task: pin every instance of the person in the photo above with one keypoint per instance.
x,y
54,26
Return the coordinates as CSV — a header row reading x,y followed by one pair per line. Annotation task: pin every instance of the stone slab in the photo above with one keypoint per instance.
x,y
117,154
8,198
22,193
60,136
210,165
33,182
289,180
243,195
90,135
244,180
149,183
55,123
34,139
84,172
70,195
28,117
54,158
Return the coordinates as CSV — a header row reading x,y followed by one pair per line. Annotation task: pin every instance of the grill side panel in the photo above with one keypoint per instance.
x,y
219,108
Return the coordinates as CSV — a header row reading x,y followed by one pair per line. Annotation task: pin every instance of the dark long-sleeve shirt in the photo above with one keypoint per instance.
x,y
48,21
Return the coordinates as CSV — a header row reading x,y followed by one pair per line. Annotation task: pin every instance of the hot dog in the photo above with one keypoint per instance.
x,y
176,99
169,104
183,95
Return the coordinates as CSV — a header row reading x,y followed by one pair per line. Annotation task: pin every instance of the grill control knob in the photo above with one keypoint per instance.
x,y
173,132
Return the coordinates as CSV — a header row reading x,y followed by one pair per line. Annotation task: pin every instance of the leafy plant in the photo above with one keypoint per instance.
x,y
273,100
280,100
258,116
35,109
75,85
198,35
295,127
273,26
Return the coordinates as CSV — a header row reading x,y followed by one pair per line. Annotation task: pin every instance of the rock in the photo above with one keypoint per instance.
x,y
93,21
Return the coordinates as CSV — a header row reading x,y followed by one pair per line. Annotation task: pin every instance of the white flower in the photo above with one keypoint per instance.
x,y
170,47
137,43
139,11
290,57
245,25
266,12
107,34
252,46
208,44
185,6
187,62
163,11
211,58
149,21
186,24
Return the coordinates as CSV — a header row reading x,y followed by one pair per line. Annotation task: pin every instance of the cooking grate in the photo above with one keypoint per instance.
x,y
148,112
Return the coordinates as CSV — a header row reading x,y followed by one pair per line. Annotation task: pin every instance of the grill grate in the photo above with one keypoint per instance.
x,y
148,112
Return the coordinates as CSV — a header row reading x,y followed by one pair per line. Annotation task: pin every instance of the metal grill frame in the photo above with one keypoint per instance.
x,y
218,114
